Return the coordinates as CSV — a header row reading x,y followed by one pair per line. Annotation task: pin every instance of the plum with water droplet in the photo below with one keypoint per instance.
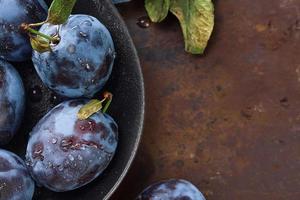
x,y
12,102
65,153
15,180
14,43
81,63
174,189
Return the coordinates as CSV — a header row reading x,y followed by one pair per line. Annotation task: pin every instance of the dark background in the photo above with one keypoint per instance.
x,y
228,121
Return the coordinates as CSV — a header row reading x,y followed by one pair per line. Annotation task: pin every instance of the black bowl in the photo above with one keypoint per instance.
x,y
126,83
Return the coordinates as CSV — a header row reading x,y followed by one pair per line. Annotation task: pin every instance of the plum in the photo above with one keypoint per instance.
x,y
174,189
15,180
65,153
14,44
12,101
81,63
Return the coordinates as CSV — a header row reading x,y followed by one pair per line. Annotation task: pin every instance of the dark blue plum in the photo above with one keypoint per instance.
x,y
15,180
65,153
12,101
14,43
174,189
81,63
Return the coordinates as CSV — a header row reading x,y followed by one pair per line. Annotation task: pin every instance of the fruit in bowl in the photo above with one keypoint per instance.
x,y
80,63
12,102
15,45
89,144
65,152
173,189
15,181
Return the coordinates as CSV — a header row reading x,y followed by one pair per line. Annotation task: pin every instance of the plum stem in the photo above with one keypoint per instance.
x,y
37,24
94,106
28,29
107,96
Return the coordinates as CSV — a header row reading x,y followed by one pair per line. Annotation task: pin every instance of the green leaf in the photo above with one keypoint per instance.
x,y
157,9
60,10
40,44
196,18
92,107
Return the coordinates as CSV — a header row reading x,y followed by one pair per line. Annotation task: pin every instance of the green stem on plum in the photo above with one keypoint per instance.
x,y
94,106
107,96
27,28
37,24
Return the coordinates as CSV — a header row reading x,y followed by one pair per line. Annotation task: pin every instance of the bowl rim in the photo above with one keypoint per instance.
x,y
142,105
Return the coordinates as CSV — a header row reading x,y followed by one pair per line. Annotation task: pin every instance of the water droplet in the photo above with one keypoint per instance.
x,y
111,140
66,163
87,67
144,22
54,141
88,23
71,48
79,157
60,168
35,94
91,18
55,99
50,164
65,144
71,157
82,127
2,185
28,162
76,27
38,151
82,34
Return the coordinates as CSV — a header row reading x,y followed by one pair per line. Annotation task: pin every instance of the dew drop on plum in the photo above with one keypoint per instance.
x,y
65,153
81,63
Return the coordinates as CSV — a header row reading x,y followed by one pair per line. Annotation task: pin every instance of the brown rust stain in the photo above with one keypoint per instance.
x,y
228,120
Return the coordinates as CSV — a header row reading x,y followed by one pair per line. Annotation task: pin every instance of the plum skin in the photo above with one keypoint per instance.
x,y
174,189
15,45
119,1
12,102
81,63
15,180
65,153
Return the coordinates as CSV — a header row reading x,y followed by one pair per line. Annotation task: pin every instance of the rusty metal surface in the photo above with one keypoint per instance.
x,y
228,121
